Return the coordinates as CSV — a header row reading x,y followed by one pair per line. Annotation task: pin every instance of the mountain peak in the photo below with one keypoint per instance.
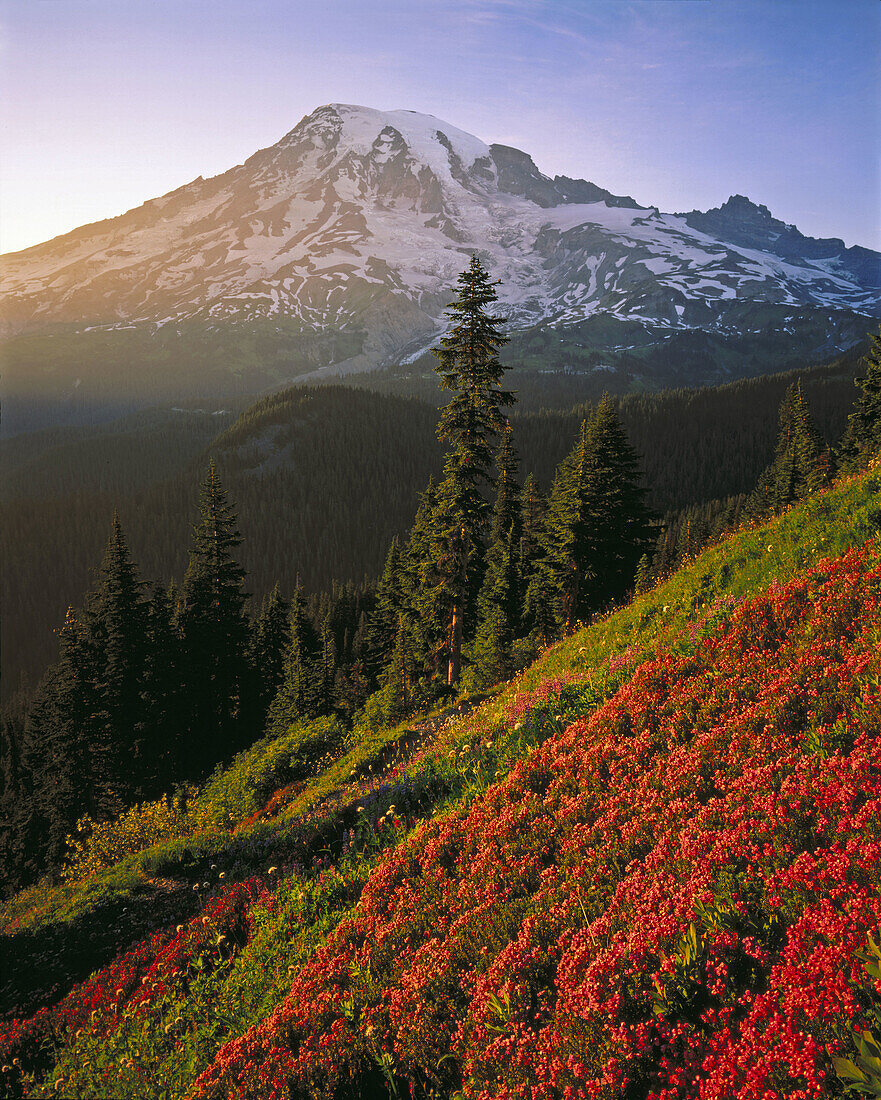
x,y
353,226
740,204
359,129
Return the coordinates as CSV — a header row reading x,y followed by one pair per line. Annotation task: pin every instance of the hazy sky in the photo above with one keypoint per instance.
x,y
680,103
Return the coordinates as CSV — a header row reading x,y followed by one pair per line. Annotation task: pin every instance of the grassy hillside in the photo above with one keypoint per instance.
x,y
645,867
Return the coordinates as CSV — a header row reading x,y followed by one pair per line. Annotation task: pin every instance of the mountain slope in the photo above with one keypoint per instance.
x,y
354,226
641,751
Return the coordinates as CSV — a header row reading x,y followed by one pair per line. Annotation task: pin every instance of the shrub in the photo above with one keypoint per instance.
x,y
271,763
99,845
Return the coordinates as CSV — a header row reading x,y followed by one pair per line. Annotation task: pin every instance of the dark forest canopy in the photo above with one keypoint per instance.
x,y
323,477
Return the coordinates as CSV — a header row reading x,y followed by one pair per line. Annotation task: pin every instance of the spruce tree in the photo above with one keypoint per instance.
x,y
117,624
501,595
302,689
625,525
164,688
571,533
468,365
538,582
597,525
13,801
507,519
420,626
406,625
500,607
214,630
862,437
270,639
383,622
799,467
65,751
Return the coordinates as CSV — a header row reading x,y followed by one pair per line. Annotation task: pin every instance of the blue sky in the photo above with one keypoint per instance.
x,y
680,103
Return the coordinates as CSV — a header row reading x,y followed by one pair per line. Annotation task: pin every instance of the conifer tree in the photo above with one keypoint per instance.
x,y
597,526
326,671
213,628
65,752
164,688
571,534
501,595
117,625
404,636
13,801
499,621
420,627
468,365
507,519
799,466
862,437
642,579
626,526
539,586
301,691
383,622
270,639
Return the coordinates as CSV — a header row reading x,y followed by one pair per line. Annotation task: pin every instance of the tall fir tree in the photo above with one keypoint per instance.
x,y
800,465
469,366
862,437
405,620
597,525
626,525
501,595
65,752
12,800
164,687
507,516
302,689
214,630
491,651
537,617
383,622
116,618
571,535
420,626
269,642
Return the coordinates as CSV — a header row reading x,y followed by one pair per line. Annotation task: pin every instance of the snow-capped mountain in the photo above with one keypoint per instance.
x,y
358,221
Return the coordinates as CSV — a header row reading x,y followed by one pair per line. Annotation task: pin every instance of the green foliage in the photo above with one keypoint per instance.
x,y
97,846
242,788
300,694
800,466
270,639
862,1073
117,624
468,365
596,527
470,755
862,438
214,631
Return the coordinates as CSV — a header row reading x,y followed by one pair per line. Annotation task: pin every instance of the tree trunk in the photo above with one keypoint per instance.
x,y
455,662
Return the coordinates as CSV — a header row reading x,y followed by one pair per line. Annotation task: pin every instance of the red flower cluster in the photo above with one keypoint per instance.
x,y
664,900
163,962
